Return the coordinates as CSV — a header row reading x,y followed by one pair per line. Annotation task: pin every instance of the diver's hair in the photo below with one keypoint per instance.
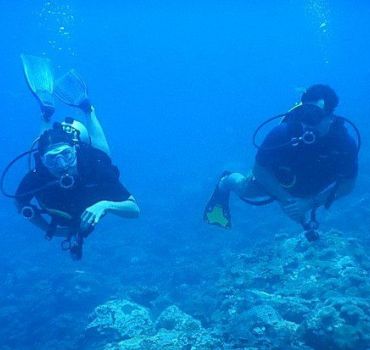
x,y
320,91
53,136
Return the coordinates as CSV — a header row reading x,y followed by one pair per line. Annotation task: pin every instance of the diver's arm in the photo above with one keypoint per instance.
x,y
28,184
95,130
297,208
92,215
344,187
45,125
294,208
40,222
126,209
270,183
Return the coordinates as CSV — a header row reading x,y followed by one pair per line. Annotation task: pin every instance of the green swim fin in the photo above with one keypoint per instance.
x,y
40,79
71,89
217,210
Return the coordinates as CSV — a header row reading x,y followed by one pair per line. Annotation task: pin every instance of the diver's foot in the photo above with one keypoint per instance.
x,y
47,112
217,209
85,106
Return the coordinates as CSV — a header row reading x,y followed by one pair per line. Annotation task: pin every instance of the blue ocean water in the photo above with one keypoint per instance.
x,y
179,88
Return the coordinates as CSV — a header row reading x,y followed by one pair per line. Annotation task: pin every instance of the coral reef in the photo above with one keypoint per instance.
x,y
123,325
284,293
292,293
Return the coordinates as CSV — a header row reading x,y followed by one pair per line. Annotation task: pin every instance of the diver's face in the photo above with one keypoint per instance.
x,y
323,127
60,159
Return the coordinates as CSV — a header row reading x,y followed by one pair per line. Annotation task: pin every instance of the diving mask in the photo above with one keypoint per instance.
x,y
60,157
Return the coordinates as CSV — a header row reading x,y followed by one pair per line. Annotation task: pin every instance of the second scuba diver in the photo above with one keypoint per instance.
x,y
73,181
307,161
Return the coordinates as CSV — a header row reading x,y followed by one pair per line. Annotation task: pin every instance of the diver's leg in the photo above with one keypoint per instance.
x,y
243,186
46,115
233,182
45,125
217,209
95,130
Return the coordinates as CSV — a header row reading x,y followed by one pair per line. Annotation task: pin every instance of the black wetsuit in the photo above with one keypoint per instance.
x,y
307,169
97,180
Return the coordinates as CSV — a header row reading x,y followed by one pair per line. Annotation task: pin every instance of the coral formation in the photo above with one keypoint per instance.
x,y
285,294
133,329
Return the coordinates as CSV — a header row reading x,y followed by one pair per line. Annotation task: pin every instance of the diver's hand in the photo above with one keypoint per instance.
x,y
92,215
297,208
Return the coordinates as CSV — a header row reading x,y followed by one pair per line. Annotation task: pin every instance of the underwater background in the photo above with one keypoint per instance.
x,y
179,87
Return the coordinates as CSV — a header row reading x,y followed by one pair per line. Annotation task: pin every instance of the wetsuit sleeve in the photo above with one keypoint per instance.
x,y
120,192
270,150
347,166
115,191
108,177
26,186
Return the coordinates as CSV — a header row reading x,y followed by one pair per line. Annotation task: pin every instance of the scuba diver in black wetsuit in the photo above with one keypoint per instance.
x,y
73,182
307,161
76,185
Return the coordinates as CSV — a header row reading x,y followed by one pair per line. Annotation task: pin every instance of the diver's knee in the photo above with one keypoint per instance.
x,y
233,182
